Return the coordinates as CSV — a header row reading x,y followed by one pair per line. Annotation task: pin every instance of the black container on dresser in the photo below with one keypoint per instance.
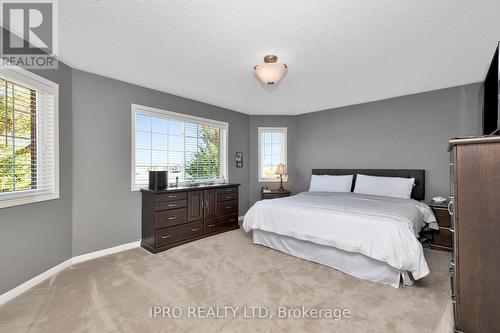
x,y
175,216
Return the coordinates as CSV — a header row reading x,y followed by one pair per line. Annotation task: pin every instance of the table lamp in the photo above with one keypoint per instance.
x,y
281,171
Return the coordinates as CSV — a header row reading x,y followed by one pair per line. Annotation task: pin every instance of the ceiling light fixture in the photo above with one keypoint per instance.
x,y
270,71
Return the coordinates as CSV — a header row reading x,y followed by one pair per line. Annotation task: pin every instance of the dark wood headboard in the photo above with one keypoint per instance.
x,y
418,192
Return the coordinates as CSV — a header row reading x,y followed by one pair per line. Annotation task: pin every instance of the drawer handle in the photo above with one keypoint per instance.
x,y
211,225
229,197
172,196
195,229
165,237
172,205
172,218
232,220
228,190
228,207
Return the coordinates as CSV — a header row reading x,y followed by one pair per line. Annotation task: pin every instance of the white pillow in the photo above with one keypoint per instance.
x,y
396,187
326,183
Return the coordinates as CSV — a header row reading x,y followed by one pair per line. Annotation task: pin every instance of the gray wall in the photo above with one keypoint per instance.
x,y
97,210
37,237
105,212
404,132
290,122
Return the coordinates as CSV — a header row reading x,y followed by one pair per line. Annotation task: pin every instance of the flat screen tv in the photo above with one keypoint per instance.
x,y
491,110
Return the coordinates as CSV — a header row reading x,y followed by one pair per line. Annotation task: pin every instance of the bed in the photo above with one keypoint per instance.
x,y
370,237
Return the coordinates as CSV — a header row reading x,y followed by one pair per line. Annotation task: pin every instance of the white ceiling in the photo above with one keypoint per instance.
x,y
338,52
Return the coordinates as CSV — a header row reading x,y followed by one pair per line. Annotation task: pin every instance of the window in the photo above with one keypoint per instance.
x,y
272,151
191,148
29,152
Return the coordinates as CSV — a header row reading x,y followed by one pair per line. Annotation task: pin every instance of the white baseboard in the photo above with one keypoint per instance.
x,y
105,252
13,293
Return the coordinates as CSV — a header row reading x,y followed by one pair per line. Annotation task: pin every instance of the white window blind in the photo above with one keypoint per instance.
x,y
190,148
272,143
28,138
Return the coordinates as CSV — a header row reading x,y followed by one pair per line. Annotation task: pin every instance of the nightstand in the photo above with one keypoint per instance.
x,y
442,239
275,194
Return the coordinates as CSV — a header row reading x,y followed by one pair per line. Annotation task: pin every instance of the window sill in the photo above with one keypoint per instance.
x,y
271,181
19,200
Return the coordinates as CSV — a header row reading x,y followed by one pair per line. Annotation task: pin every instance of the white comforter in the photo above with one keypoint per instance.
x,y
382,228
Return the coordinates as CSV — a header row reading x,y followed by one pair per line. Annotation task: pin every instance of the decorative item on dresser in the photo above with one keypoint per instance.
x,y
475,184
442,239
175,216
273,194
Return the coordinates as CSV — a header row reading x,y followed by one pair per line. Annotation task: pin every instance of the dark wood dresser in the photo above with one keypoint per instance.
x,y
179,215
442,239
475,180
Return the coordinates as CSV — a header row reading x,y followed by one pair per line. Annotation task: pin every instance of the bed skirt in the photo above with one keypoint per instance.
x,y
355,264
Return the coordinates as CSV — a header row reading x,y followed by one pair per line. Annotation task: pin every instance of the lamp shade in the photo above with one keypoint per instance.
x,y
270,71
281,169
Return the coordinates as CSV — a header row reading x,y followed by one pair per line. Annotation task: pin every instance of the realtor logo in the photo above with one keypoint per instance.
x,y
29,34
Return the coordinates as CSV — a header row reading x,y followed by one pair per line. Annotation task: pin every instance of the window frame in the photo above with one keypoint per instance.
x,y
284,148
155,112
33,81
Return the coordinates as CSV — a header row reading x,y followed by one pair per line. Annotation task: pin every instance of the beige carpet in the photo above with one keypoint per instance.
x,y
115,293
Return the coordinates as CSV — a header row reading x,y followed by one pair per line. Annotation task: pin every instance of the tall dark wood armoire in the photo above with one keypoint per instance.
x,y
475,206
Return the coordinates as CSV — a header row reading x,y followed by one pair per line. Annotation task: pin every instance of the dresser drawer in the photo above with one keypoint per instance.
x,y
179,233
227,196
443,238
169,218
228,207
221,223
171,204
227,190
161,197
443,217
